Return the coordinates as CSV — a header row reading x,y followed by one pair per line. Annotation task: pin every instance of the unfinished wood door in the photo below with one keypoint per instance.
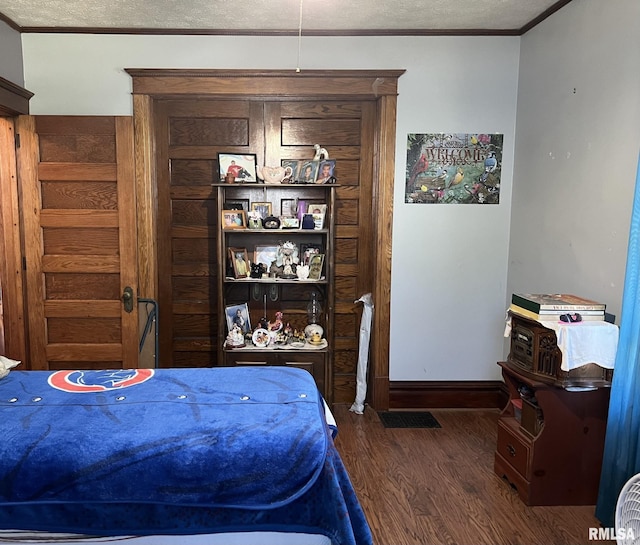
x,y
189,135
78,202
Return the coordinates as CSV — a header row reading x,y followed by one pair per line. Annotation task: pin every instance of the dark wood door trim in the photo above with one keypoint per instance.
x,y
281,83
11,272
378,86
14,100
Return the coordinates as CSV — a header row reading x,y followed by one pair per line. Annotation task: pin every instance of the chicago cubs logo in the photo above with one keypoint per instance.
x,y
98,381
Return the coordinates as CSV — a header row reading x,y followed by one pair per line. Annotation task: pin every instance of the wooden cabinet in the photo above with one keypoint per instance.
x,y
551,439
270,292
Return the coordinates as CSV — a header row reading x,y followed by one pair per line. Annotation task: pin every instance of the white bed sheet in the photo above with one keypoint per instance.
x,y
17,537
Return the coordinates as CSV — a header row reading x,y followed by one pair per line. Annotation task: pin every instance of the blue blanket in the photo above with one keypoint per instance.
x,y
172,451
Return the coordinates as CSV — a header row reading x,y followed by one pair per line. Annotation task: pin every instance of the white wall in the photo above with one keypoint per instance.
x,y
11,55
449,265
578,136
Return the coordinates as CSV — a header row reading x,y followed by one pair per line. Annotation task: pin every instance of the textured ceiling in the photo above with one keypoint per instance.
x,y
272,16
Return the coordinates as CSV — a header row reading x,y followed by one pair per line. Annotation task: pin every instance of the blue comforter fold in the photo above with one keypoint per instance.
x,y
245,438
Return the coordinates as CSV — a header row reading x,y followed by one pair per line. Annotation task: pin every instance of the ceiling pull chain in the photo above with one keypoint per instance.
x,y
299,36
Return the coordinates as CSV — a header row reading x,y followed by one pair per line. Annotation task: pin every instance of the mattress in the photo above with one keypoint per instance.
x,y
172,452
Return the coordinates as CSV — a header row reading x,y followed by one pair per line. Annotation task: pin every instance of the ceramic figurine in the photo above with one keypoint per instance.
x,y
321,153
274,175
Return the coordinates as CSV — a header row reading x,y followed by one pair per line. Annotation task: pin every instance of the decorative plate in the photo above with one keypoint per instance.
x,y
261,338
322,344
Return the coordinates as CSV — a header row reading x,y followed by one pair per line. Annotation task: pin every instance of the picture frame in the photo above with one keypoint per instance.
x,y
238,314
308,172
288,207
265,254
325,171
242,166
318,221
233,219
264,208
315,266
240,262
294,165
289,222
314,208
236,205
307,251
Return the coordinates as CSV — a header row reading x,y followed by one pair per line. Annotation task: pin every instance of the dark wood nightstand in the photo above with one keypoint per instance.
x,y
551,448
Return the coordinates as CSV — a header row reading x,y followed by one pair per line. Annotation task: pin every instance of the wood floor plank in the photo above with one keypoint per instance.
x,y
437,486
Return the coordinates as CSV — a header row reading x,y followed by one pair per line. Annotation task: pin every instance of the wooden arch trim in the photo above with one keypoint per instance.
x,y
378,85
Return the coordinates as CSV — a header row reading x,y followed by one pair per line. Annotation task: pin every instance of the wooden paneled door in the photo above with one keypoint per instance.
x,y
189,134
185,117
77,180
345,128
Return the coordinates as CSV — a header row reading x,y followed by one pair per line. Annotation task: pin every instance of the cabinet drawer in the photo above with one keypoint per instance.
x,y
313,362
513,448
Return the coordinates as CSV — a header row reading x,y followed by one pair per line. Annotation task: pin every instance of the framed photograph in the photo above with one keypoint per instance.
x,y
240,262
238,315
236,205
314,208
264,208
308,172
307,251
265,254
315,266
318,221
241,166
289,222
234,219
325,171
295,165
289,207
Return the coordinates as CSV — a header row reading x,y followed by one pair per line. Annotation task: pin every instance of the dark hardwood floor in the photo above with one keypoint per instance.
x,y
437,486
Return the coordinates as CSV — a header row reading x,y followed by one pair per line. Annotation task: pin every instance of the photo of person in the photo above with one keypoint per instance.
x,y
294,168
241,167
239,262
315,266
325,173
234,219
307,253
238,315
308,172
240,265
263,208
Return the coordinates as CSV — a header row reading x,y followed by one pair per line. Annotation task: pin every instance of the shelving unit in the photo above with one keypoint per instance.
x,y
267,295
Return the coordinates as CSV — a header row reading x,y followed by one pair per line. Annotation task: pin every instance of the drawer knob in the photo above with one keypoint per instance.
x,y
511,449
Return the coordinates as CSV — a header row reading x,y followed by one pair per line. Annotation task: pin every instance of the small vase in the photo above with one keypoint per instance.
x,y
307,221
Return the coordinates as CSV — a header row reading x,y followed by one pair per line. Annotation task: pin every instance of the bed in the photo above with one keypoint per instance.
x,y
189,456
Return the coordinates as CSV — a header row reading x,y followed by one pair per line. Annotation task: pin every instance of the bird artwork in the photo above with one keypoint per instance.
x,y
420,166
457,177
490,165
321,153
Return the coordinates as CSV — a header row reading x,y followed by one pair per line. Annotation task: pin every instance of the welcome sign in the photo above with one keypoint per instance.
x,y
453,168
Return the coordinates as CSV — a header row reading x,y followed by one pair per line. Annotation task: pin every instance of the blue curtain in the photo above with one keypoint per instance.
x,y
622,444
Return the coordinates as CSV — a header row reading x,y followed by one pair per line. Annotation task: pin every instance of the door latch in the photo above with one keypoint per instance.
x,y
127,299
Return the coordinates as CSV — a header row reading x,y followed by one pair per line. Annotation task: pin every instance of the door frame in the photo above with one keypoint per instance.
x,y
377,85
14,101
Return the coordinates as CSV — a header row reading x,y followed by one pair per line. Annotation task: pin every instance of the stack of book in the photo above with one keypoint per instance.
x,y
549,307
